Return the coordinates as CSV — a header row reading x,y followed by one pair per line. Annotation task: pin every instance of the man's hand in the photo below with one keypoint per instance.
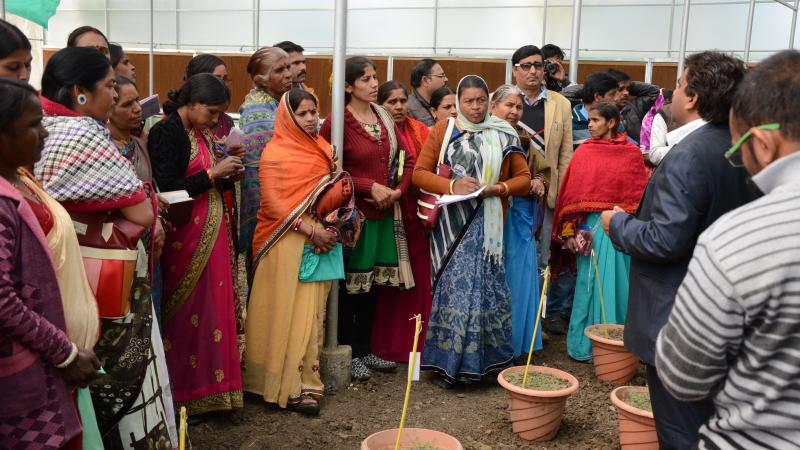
x,y
606,216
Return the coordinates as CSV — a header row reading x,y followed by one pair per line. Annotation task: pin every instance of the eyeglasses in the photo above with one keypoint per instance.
x,y
526,67
441,75
734,156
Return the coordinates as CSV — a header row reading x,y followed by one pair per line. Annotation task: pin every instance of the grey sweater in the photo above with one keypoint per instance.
x,y
734,332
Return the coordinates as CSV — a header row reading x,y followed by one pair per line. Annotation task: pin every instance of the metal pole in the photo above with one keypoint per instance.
x,y
435,24
390,68
3,9
671,29
576,36
508,71
105,18
151,69
544,26
794,23
648,71
684,35
337,130
748,36
257,25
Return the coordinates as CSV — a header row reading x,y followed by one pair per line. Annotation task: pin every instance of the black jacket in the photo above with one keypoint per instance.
x,y
169,149
644,95
692,187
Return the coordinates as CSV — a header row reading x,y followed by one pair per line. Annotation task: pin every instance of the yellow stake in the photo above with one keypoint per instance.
x,y
182,439
546,280
411,363
600,289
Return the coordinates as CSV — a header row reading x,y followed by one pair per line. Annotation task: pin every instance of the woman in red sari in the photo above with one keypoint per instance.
x,y
201,313
392,334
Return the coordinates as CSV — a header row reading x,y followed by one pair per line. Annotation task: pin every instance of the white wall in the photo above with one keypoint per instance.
x,y
618,29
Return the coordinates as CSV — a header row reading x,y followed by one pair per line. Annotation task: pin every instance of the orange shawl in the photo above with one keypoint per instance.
x,y
415,134
295,166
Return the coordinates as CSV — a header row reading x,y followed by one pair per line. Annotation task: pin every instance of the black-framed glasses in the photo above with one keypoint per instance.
x,y
734,156
440,75
526,67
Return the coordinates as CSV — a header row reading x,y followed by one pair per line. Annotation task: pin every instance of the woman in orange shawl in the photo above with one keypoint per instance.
x,y
392,334
300,221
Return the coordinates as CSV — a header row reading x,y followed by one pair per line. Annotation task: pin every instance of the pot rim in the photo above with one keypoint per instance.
x,y
442,433
567,391
599,338
620,404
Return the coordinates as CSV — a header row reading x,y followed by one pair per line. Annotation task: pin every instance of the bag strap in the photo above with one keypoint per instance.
x,y
451,123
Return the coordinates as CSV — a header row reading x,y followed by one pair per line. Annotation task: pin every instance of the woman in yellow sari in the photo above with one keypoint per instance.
x,y
300,220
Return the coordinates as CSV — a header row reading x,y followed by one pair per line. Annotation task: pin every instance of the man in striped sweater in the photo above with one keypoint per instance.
x,y
734,333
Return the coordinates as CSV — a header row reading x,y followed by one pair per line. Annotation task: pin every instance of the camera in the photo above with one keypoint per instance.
x,y
550,68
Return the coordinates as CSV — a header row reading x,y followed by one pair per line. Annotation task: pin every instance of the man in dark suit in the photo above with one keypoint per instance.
x,y
692,187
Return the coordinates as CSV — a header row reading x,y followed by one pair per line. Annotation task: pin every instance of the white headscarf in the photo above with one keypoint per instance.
x,y
491,151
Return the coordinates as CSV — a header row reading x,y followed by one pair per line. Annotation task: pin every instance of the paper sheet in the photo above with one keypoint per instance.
x,y
448,199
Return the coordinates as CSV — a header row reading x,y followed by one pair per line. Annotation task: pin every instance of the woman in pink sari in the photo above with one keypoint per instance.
x,y
202,320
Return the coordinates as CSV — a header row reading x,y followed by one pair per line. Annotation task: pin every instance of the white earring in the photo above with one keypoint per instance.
x,y
82,99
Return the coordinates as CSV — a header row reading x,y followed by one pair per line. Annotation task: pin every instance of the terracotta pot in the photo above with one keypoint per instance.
x,y
637,429
412,438
612,361
536,415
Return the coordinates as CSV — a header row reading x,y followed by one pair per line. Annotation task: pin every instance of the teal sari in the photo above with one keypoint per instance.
x,y
614,269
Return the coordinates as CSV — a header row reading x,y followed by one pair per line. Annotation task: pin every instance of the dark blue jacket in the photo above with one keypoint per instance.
x,y
692,187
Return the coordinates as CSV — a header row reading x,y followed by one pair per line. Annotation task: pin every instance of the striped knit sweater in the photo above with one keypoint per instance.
x,y
734,332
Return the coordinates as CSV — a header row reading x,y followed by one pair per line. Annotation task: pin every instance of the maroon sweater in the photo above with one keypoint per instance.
x,y
367,161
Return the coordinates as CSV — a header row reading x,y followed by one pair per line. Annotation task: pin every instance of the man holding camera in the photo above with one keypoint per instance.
x,y
547,118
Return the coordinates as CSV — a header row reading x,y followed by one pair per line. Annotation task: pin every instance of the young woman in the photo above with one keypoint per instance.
x,y
606,171
392,339
208,63
40,362
200,307
82,169
90,37
285,319
519,234
469,331
120,62
15,53
269,69
371,153
443,104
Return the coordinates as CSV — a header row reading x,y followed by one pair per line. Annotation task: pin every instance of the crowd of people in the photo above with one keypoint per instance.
x,y
115,311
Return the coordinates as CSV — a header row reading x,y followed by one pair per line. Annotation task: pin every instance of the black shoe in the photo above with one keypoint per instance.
x,y
379,364
554,325
359,370
307,405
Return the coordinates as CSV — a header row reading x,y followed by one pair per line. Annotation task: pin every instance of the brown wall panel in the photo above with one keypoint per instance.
x,y
170,66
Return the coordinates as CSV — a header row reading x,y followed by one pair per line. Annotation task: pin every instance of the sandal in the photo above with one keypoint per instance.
x,y
307,405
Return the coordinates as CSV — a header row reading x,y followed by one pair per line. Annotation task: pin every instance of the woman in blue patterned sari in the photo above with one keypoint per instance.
x,y
469,330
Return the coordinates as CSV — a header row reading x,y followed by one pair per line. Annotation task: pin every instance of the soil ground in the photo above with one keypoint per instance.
x,y
476,415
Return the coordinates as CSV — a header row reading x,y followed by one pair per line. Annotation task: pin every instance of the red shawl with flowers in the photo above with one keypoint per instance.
x,y
603,173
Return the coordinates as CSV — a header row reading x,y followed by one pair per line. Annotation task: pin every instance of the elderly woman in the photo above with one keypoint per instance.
x,y
82,169
269,69
40,362
287,303
521,223
199,310
392,339
469,330
373,154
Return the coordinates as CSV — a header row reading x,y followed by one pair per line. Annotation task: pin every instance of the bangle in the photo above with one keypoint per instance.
x,y
72,355
452,183
297,224
313,231
210,177
506,187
